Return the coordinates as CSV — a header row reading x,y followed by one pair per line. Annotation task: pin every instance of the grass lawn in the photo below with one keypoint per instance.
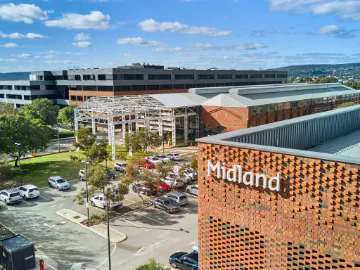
x,y
119,149
37,170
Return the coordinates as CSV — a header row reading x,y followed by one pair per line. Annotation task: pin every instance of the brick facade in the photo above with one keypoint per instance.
x,y
312,223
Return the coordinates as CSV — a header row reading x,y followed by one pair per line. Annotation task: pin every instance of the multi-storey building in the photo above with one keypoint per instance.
x,y
77,85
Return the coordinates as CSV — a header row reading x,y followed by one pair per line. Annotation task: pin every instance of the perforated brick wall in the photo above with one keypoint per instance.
x,y
312,223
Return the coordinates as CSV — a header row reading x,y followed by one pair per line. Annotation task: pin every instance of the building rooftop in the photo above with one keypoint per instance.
x,y
177,100
332,135
270,94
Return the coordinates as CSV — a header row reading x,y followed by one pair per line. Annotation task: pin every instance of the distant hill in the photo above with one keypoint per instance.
x,y
14,76
340,70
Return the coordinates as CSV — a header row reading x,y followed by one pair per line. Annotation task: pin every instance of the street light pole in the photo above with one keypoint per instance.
x,y
108,232
57,125
18,150
87,193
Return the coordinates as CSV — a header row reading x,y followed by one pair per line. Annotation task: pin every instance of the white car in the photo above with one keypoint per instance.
x,y
10,196
188,172
29,192
174,156
185,179
100,201
163,158
154,160
193,189
120,166
174,183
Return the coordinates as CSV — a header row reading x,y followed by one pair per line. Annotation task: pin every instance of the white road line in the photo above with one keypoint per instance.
x,y
106,258
26,202
134,224
50,266
45,198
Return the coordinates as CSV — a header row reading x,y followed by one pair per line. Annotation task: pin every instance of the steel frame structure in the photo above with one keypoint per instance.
x,y
130,111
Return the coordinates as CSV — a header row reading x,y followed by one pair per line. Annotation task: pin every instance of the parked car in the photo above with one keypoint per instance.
x,y
99,200
193,189
110,174
163,158
166,204
189,173
173,156
142,189
147,164
195,247
162,187
183,260
10,196
29,192
185,179
174,183
120,166
179,197
58,182
154,160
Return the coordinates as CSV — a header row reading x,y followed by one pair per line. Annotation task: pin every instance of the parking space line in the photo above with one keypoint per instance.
x,y
26,202
97,267
134,224
44,198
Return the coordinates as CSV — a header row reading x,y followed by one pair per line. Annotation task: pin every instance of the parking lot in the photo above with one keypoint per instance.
x,y
150,232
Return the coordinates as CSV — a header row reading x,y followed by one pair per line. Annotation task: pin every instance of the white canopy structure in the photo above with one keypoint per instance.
x,y
127,112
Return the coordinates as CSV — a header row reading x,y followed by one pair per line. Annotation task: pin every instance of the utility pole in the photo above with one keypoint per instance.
x,y
57,124
108,232
18,150
87,192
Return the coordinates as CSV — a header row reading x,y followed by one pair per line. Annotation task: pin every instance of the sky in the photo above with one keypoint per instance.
x,y
202,34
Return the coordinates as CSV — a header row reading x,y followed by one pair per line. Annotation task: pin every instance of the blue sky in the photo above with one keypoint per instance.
x,y
228,34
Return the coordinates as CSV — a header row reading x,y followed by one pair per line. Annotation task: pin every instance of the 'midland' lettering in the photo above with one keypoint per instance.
x,y
235,174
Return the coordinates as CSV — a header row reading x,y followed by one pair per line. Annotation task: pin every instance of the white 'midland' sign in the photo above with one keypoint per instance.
x,y
235,174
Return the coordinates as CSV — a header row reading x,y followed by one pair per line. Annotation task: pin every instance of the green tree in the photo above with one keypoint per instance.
x,y
152,265
32,135
42,109
163,169
6,108
353,84
345,104
90,150
142,140
66,115
194,162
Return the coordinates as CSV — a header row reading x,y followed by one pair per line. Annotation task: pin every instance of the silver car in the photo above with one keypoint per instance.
x,y
29,192
58,182
10,196
99,200
180,198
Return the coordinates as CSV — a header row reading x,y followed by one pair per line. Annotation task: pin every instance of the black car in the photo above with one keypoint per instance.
x,y
183,260
166,204
142,189
110,174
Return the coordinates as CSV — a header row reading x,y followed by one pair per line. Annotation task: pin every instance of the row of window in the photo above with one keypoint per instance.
x,y
27,97
24,87
161,86
130,77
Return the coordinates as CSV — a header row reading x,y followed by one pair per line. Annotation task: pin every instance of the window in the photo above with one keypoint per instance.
x,y
48,87
253,110
178,86
256,76
159,77
262,109
1,95
14,96
75,87
105,88
206,76
88,77
189,86
138,87
271,108
89,88
79,98
122,88
269,76
281,76
165,87
241,76
152,87
128,77
294,104
280,107
102,77
77,78
224,76
287,105
184,77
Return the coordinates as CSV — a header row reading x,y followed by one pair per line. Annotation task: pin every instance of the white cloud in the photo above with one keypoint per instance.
x,y
335,31
166,49
167,27
233,47
137,41
328,30
82,44
345,9
36,57
127,54
9,45
22,13
49,57
81,37
94,20
24,55
49,52
17,35
7,60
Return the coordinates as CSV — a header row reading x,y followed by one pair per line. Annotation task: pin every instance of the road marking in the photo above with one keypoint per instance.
x,y
44,198
26,202
130,200
147,249
47,225
134,224
106,258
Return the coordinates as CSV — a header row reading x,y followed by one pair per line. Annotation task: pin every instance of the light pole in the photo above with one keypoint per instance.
x,y
87,191
108,231
57,129
18,150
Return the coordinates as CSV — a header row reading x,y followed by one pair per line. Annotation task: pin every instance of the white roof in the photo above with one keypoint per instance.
x,y
176,100
224,100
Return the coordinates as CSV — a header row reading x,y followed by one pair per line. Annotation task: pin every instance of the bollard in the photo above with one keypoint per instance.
x,y
41,262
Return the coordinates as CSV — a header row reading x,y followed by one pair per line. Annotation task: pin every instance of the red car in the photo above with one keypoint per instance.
x,y
147,164
162,187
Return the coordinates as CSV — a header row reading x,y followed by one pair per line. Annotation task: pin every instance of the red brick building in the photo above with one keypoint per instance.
x,y
283,196
229,109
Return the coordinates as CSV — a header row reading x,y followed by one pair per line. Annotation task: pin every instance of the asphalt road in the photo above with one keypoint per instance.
x,y
151,232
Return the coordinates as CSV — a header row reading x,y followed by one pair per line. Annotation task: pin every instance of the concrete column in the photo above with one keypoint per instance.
x,y
123,127
186,128
93,126
130,130
173,132
161,128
